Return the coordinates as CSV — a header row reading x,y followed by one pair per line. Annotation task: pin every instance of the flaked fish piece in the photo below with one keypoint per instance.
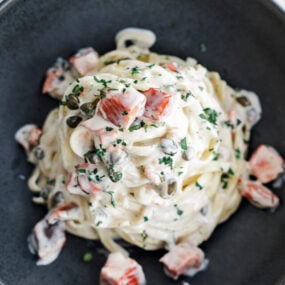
x,y
266,163
28,136
121,270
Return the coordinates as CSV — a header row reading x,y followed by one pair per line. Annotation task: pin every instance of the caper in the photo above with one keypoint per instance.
x,y
91,156
243,101
115,176
73,121
44,193
89,107
204,210
56,199
72,102
39,153
168,146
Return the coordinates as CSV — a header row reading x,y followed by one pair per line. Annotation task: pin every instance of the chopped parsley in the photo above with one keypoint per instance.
x,y
178,211
144,235
77,89
151,65
100,152
185,96
198,185
167,160
225,177
102,93
102,81
237,153
125,113
93,175
87,257
135,70
215,154
98,223
137,127
109,129
183,144
112,200
210,115
145,218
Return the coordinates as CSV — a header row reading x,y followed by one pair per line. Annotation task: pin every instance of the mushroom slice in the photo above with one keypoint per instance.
x,y
47,241
80,141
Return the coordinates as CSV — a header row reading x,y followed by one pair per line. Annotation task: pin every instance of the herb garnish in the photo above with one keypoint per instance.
x,y
225,177
237,153
197,184
87,257
178,211
112,200
183,144
102,81
109,129
167,160
135,70
210,115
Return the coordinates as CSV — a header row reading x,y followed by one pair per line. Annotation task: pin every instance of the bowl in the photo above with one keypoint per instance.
x,y
243,40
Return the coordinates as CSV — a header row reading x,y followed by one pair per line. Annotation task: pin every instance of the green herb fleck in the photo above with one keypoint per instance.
x,y
145,218
178,211
167,160
98,223
125,113
109,129
101,151
112,200
183,144
87,257
137,127
237,153
154,125
102,81
185,96
210,115
135,70
197,184
225,177
151,65
144,235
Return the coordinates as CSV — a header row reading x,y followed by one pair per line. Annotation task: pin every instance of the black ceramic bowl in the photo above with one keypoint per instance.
x,y
245,42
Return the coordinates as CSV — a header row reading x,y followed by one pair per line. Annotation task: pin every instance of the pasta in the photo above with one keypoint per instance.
x,y
147,147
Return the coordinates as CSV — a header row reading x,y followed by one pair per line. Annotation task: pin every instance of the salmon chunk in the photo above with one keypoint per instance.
x,y
157,103
266,164
120,270
183,259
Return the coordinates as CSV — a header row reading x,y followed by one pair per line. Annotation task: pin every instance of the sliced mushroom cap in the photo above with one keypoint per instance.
x,y
80,141
47,241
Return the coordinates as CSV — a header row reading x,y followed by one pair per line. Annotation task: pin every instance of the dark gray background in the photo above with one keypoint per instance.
x,y
245,42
